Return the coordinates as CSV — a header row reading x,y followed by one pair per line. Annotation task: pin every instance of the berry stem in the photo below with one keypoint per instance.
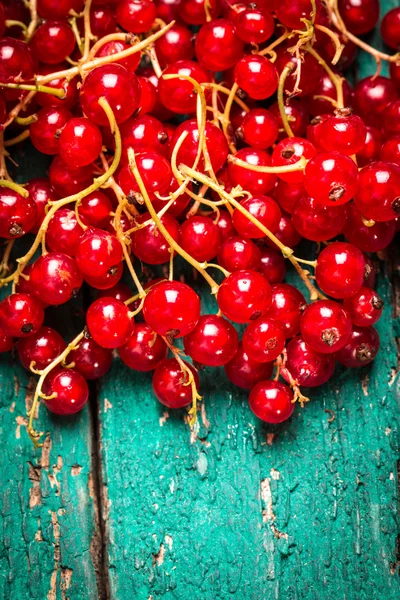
x,y
336,79
338,45
121,237
17,139
88,37
281,103
34,20
14,186
297,166
12,23
35,88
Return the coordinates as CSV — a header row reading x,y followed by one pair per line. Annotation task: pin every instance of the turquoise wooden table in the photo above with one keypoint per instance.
x,y
122,503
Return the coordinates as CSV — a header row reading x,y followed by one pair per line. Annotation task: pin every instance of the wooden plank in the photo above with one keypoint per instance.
x,y
47,515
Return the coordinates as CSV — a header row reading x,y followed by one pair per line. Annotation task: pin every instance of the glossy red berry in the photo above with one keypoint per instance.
x,y
55,278
390,150
213,342
144,350
225,225
40,348
262,208
340,270
71,391
130,63
118,86
371,97
91,360
254,182
317,103
64,232
95,208
271,401
246,373
325,326
288,152
107,281
378,195
149,245
136,15
359,17
41,192
244,296
143,133
217,46
53,42
343,132
238,254
310,74
179,95
154,170
16,64
390,28
98,252
171,308
109,322
259,129
58,9
286,234
254,26
317,221
331,177
21,315
217,145
170,384
287,306
365,307
193,11
367,238
102,21
361,349
292,13
257,76
264,339
45,132
80,142
370,151
176,44
306,366
200,238
17,214
272,265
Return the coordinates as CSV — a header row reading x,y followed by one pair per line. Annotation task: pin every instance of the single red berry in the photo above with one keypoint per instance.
x,y
80,142
370,151
143,133
193,11
136,16
310,74
263,339
95,208
306,366
107,281
17,64
378,195
254,26
288,304
286,234
390,150
170,383
90,360
390,28
225,225
361,349
200,238
331,177
144,350
317,221
359,17
20,315
149,245
254,182
171,308
118,86
217,145
52,42
217,46
325,326
68,181
317,103
130,62
46,130
271,401
368,239
98,252
343,132
41,192
178,205
40,348
292,13
239,254
213,342
176,44
63,232
371,97
71,391
17,214
58,9
154,170
262,208
340,270
55,278
257,76
272,265
179,95
244,296
365,307
288,152
259,129
244,372
109,322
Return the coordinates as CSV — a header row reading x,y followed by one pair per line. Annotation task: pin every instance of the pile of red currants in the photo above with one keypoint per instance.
x,y
218,131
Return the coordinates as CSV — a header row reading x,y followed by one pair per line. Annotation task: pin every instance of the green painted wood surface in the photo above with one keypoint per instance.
x,y
123,504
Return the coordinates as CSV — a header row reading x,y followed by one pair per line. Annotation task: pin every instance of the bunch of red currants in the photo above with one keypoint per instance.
x,y
218,131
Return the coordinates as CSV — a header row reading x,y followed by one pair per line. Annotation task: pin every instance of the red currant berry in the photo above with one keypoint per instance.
x,y
58,9
67,181
179,95
107,281
69,87
317,221
257,76
271,401
288,304
343,132
244,296
170,383
217,46
287,194
154,170
176,44
143,133
288,152
259,129
340,270
53,42
225,225
246,373
41,348
149,245
64,232
21,315
80,142
318,104
272,265
262,208
55,278
46,131
213,342
390,151
136,16
368,239
102,21
297,115
193,11
371,97
17,214
17,64
365,307
263,340
306,366
325,326
200,238
390,28
171,308
292,14
118,86
254,26
310,74
70,389
359,17
361,349
98,252
238,254
109,322
119,292
331,177
95,209
378,195
91,360
254,182
391,118
41,192
130,63
217,145
144,350
286,234
371,148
